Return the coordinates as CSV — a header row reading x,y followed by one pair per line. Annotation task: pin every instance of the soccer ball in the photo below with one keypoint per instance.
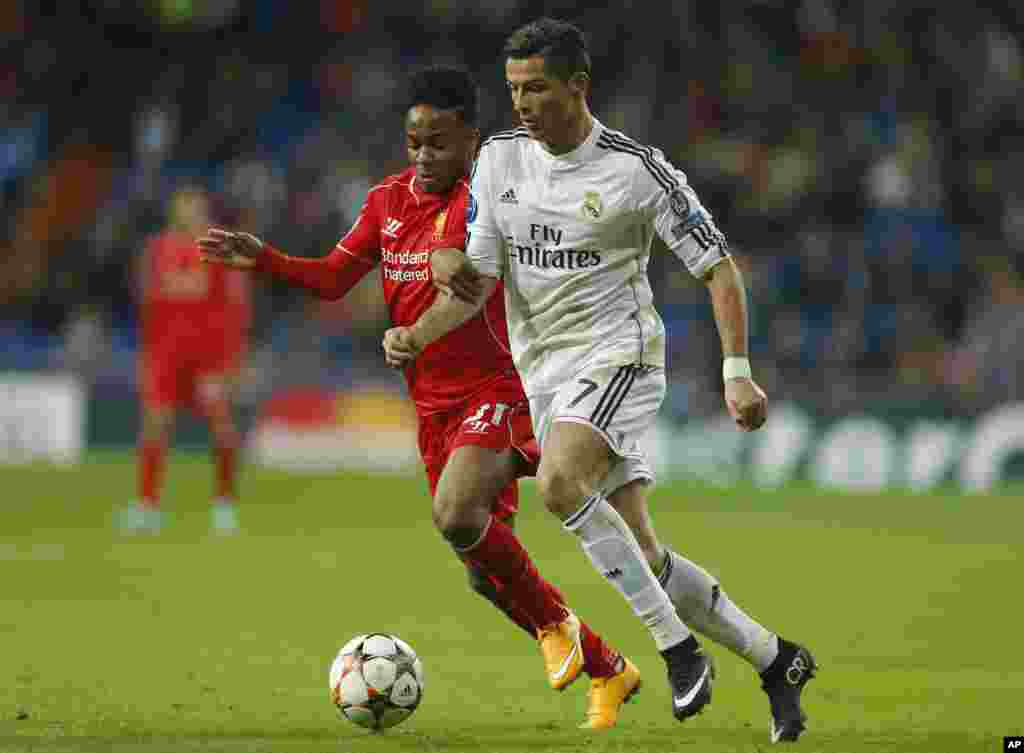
x,y
376,681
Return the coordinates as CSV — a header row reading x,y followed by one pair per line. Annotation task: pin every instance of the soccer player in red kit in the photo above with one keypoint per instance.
x,y
474,429
193,321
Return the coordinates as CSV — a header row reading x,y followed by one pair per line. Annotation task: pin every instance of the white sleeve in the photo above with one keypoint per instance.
x,y
484,243
685,225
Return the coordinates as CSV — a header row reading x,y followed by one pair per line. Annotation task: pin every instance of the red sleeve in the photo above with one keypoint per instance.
x,y
337,273
330,277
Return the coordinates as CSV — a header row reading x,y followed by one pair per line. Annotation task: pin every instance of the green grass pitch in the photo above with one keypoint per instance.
x,y
186,642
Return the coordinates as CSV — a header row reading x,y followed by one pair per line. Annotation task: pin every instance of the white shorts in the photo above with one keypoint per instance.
x,y
620,403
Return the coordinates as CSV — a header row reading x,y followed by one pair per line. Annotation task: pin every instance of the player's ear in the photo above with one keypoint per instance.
x,y
470,136
580,83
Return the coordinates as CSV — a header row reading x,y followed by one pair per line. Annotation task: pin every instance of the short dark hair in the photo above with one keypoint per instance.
x,y
444,87
562,45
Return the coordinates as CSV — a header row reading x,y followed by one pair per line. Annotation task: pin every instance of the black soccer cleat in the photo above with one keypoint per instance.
x,y
690,672
784,681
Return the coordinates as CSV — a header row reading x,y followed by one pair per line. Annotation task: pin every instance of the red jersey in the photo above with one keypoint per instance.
x,y
398,228
181,295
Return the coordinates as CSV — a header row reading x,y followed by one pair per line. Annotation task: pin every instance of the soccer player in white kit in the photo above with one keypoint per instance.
x,y
564,211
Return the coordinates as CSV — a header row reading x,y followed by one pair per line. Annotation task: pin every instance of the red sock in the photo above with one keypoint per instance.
x,y
555,593
599,659
499,554
152,456
225,460
522,619
501,601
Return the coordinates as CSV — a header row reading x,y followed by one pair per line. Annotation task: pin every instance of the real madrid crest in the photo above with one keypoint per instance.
x,y
592,205
439,224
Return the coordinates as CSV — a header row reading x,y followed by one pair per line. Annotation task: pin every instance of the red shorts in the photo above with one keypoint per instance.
x,y
492,418
520,429
188,379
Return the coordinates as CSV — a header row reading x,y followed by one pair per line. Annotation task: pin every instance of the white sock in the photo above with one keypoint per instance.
x,y
615,553
705,606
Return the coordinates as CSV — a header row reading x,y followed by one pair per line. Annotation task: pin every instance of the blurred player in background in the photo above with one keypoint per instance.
x,y
563,213
194,320
474,431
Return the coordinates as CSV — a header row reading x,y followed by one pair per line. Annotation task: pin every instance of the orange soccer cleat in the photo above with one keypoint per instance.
x,y
607,694
562,648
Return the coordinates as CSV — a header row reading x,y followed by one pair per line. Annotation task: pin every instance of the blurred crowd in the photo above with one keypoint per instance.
x,y
863,158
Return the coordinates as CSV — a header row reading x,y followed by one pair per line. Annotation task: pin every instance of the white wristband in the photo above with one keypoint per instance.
x,y
735,367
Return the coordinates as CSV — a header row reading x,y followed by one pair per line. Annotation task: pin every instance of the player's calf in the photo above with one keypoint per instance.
x,y
630,501
481,585
145,515
488,588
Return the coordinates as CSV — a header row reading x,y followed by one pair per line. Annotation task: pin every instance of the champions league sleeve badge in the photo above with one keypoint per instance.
x,y
679,203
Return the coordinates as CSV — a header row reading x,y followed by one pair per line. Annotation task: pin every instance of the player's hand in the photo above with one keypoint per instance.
x,y
453,272
400,347
232,249
747,403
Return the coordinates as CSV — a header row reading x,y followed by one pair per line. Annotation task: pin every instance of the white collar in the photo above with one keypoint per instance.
x,y
578,156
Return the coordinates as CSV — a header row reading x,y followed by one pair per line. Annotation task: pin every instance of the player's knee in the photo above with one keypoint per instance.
x,y
156,424
221,423
458,518
223,432
562,491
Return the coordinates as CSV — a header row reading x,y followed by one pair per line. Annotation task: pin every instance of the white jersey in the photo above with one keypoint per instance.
x,y
570,236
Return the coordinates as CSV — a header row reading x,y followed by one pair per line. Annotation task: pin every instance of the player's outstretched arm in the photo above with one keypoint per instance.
x,y
232,249
330,277
745,400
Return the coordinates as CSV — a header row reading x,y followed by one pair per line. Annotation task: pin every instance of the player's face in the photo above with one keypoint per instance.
x,y
190,211
440,146
546,105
